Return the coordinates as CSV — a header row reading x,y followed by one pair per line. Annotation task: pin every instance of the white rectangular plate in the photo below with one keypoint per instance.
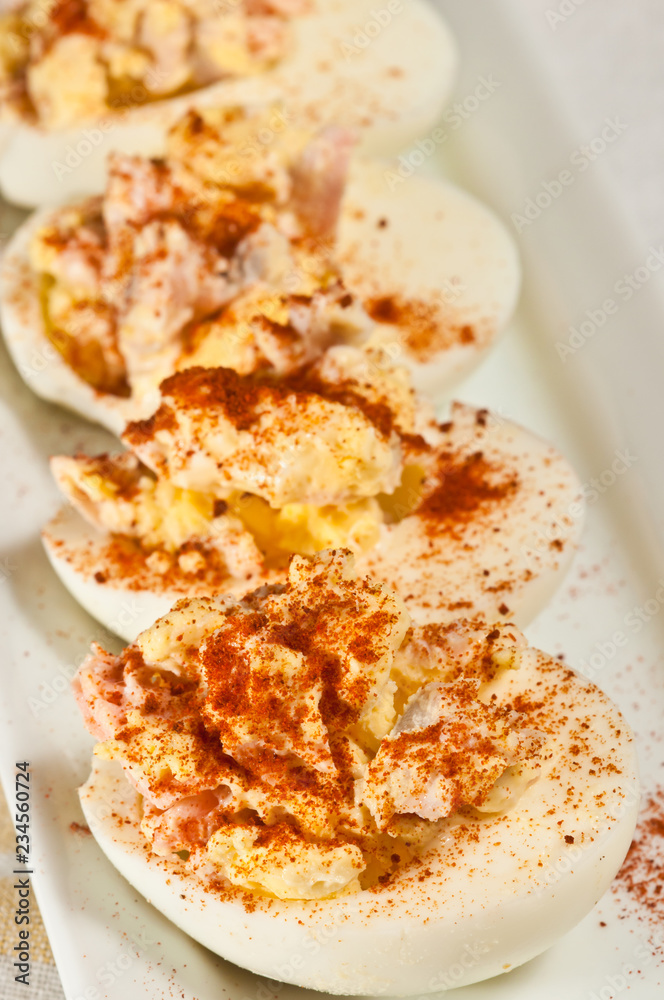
x,y
597,404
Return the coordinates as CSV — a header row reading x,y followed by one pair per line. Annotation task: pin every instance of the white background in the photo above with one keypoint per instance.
x,y
608,59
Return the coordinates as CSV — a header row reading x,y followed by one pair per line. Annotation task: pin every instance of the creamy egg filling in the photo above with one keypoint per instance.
x,y
334,432
210,257
276,466
308,740
82,330
62,63
304,529
164,518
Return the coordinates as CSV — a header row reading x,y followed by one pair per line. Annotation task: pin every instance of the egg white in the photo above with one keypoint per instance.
x,y
38,362
503,564
393,89
428,242
475,909
508,573
411,243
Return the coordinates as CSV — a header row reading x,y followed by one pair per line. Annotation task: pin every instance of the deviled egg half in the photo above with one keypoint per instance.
x,y
327,794
234,474
250,256
80,78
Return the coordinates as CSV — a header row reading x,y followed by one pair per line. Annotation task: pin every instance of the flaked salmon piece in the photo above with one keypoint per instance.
x,y
286,8
319,180
166,30
267,37
107,687
176,280
99,691
137,190
79,259
189,823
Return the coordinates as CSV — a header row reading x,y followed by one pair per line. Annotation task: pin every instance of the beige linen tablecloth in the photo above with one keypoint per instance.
x,y
44,981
